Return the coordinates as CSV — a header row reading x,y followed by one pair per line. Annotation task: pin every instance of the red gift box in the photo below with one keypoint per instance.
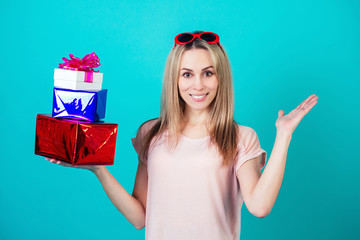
x,y
75,142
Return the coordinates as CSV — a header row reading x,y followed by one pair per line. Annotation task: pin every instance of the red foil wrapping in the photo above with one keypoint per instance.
x,y
75,142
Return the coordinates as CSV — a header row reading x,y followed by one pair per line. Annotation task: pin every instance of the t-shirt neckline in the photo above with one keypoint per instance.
x,y
194,139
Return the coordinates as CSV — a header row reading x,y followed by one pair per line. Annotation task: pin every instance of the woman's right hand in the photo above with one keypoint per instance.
x,y
93,168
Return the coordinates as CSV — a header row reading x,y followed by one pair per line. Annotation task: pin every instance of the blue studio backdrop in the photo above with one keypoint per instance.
x,y
280,52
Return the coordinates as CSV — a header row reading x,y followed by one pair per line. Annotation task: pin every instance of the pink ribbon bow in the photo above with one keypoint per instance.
x,y
86,64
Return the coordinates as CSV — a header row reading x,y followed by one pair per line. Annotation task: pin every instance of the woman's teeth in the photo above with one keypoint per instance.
x,y
198,97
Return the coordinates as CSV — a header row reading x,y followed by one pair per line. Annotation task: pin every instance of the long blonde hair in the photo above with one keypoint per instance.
x,y
222,127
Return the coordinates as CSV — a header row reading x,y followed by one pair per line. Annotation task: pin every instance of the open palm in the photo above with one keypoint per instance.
x,y
92,168
290,121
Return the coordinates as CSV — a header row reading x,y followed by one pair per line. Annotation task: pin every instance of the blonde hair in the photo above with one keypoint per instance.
x,y
221,125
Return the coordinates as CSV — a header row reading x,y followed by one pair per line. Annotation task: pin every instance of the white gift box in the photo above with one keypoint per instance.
x,y
75,80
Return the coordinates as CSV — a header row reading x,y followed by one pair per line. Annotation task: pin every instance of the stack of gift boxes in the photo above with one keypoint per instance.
x,y
74,132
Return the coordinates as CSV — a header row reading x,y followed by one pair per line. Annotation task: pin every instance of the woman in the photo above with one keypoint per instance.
x,y
196,165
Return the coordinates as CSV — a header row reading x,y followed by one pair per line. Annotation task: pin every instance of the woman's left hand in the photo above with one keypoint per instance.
x,y
289,122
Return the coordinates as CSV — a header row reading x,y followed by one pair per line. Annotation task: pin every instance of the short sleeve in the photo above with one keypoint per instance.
x,y
137,141
249,148
134,143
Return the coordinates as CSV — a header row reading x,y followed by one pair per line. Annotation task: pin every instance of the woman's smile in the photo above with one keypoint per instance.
x,y
198,97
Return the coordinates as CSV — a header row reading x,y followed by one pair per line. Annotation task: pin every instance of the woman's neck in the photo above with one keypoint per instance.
x,y
195,124
195,117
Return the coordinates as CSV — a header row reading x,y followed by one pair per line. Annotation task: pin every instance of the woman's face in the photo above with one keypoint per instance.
x,y
197,81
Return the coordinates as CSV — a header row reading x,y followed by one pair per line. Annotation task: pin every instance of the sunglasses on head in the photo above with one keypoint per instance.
x,y
209,37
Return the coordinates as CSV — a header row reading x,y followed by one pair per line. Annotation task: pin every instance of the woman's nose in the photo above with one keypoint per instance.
x,y
198,83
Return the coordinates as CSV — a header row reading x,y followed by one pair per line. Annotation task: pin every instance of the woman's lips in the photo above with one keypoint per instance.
x,y
198,97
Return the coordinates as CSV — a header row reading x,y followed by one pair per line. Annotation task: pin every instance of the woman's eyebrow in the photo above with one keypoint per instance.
x,y
188,69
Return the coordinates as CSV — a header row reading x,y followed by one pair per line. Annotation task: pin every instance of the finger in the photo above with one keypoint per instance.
x,y
310,105
52,160
307,100
311,101
64,164
56,161
281,113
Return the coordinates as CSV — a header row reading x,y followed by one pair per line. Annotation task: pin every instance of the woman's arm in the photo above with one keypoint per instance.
x,y
260,191
131,206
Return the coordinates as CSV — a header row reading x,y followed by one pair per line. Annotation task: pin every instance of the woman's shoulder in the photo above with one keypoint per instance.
x,y
243,128
245,133
147,125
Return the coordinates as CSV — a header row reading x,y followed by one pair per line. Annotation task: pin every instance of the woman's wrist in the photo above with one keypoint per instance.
x,y
98,169
284,132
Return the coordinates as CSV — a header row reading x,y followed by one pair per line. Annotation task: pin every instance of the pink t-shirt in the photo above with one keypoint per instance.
x,y
190,195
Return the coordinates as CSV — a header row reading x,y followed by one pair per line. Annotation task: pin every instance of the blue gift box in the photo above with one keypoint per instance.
x,y
78,104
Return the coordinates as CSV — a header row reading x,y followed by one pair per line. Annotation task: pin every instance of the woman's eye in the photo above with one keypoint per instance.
x,y
186,74
208,74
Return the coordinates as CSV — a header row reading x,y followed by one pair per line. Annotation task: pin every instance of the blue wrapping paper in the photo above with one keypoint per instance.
x,y
78,104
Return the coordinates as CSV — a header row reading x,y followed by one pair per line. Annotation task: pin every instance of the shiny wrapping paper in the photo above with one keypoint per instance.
x,y
75,142
80,105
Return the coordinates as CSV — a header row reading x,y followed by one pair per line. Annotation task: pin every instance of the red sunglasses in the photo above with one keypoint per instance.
x,y
209,37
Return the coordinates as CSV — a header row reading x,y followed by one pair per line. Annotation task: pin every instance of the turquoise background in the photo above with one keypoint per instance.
x,y
280,51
